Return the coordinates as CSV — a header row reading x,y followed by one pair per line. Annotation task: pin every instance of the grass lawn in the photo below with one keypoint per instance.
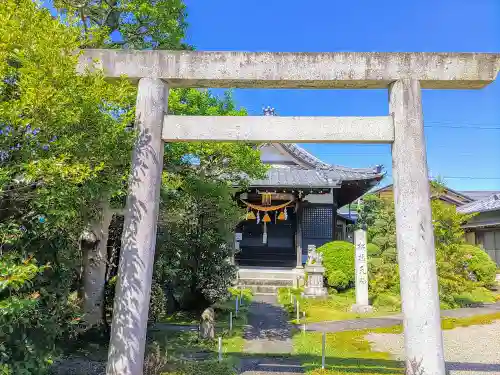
x,y
349,352
335,307
185,353
177,347
346,353
338,306
176,352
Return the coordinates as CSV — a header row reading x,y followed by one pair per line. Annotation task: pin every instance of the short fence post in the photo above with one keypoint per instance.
x,y
323,350
220,349
298,312
304,328
230,321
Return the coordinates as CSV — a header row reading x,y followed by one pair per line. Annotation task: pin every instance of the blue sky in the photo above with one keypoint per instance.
x,y
465,150
462,127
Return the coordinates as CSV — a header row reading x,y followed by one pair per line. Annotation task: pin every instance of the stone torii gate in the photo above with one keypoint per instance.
x,y
404,74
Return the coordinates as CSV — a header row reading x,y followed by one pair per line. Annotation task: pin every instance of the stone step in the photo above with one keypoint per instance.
x,y
268,273
266,262
263,289
269,282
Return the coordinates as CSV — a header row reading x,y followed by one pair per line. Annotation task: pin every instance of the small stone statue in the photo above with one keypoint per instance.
x,y
207,325
313,257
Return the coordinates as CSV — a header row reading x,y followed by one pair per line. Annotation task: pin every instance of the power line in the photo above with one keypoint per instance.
x,y
388,154
460,177
464,127
452,122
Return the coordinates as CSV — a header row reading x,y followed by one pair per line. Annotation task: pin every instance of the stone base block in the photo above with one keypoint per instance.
x,y
316,292
361,309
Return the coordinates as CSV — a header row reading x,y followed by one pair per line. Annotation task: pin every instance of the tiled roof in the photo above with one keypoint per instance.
x,y
312,178
492,203
314,163
313,173
299,178
478,195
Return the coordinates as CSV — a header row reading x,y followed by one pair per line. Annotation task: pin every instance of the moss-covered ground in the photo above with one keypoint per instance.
x,y
336,307
350,353
180,347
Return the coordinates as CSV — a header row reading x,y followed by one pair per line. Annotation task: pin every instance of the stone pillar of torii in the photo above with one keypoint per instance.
x,y
403,74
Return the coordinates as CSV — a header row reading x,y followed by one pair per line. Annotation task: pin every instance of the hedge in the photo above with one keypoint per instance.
x,y
480,264
338,260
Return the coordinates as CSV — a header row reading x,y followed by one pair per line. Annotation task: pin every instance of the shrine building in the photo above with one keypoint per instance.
x,y
296,205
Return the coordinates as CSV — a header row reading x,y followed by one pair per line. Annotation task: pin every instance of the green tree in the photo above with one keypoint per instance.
x,y
458,266
140,24
453,274
63,142
198,213
131,24
125,24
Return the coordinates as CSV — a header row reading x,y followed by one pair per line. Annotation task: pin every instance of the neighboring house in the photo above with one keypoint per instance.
x,y
448,195
295,205
484,229
479,195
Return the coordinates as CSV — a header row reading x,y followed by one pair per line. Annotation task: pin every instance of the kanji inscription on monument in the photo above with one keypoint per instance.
x,y
361,272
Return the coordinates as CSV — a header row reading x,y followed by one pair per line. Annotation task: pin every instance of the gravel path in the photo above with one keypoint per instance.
x,y
473,350
268,334
389,321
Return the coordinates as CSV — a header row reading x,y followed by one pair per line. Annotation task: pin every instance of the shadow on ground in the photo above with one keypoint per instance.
x,y
271,363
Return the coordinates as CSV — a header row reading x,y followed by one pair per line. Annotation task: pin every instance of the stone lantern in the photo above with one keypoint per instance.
x,y
315,274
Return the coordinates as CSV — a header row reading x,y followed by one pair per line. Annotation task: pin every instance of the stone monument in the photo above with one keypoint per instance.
x,y
207,325
315,274
362,304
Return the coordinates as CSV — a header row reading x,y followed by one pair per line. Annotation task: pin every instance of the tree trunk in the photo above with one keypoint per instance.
x,y
94,248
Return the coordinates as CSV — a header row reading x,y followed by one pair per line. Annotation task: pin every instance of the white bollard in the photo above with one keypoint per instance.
x,y
323,350
298,312
220,349
230,321
304,329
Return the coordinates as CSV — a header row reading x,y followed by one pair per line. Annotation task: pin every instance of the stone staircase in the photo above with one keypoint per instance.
x,y
267,280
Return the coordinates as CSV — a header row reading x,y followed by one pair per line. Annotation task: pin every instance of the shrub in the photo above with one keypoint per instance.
x,y
388,300
32,320
474,297
390,255
155,360
383,277
158,303
373,250
246,294
338,260
374,263
480,264
203,368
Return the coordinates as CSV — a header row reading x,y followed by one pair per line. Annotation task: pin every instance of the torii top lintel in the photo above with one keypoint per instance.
x,y
298,70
